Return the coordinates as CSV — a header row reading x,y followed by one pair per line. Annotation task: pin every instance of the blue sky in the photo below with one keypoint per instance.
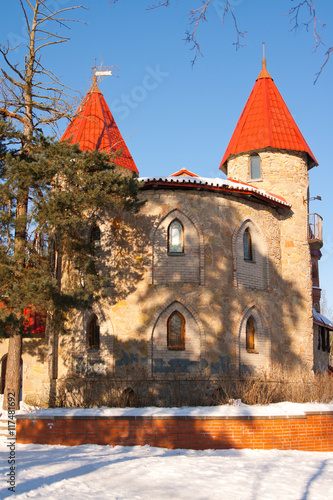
x,y
173,115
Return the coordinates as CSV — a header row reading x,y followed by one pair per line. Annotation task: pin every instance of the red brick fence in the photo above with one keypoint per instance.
x,y
311,432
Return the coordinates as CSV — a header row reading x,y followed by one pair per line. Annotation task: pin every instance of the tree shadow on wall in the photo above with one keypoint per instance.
x,y
219,304
222,301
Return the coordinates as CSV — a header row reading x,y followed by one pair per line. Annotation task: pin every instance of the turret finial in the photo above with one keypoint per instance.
x,y
264,73
263,56
100,71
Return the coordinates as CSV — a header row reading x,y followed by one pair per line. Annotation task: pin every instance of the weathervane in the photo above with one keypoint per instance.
x,y
101,70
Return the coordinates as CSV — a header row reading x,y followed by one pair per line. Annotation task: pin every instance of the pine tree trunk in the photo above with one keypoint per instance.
x,y
13,372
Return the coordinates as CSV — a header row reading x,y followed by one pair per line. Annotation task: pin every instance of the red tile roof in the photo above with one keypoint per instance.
x,y
185,173
266,122
94,128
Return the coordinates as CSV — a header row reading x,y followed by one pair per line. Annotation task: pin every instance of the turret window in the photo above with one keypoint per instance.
x,y
255,167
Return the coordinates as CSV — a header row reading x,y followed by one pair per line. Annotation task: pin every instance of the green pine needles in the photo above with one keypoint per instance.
x,y
51,195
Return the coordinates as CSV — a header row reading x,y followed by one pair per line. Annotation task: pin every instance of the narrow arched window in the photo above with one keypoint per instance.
x,y
247,245
93,332
251,335
176,237
255,168
95,240
176,331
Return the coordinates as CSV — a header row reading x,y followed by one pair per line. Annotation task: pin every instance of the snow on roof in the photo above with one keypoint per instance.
x,y
216,184
321,320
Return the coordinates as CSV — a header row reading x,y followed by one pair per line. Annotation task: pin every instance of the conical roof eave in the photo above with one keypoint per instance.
x,y
94,128
266,122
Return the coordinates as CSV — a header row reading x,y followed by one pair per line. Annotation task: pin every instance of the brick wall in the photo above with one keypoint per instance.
x,y
251,273
167,360
184,268
260,360
312,432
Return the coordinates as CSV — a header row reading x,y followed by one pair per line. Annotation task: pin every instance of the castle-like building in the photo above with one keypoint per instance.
x,y
210,276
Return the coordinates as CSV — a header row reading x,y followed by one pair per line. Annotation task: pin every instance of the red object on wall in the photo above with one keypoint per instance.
x,y
34,322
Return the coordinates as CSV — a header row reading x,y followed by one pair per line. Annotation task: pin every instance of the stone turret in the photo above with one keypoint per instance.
x,y
267,150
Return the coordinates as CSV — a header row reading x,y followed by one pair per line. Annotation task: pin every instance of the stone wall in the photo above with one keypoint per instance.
x,y
35,375
211,284
286,174
214,289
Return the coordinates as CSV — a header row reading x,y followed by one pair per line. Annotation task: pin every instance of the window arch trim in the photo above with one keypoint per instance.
x,y
178,343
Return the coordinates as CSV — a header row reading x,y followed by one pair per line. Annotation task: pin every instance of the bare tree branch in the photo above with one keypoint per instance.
x,y
294,18
161,3
34,78
199,16
327,54
4,51
16,116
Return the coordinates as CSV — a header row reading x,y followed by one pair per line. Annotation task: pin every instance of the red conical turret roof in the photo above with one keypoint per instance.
x,y
94,128
266,122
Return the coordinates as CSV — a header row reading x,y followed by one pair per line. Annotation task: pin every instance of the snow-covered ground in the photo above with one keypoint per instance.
x,y
141,472
133,473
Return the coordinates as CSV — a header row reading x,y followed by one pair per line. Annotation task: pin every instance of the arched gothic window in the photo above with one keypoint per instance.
x,y
176,237
255,168
95,240
251,335
176,331
247,245
93,332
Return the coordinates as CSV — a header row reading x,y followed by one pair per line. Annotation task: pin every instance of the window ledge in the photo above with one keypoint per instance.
x,y
251,261
176,348
252,351
255,180
176,254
